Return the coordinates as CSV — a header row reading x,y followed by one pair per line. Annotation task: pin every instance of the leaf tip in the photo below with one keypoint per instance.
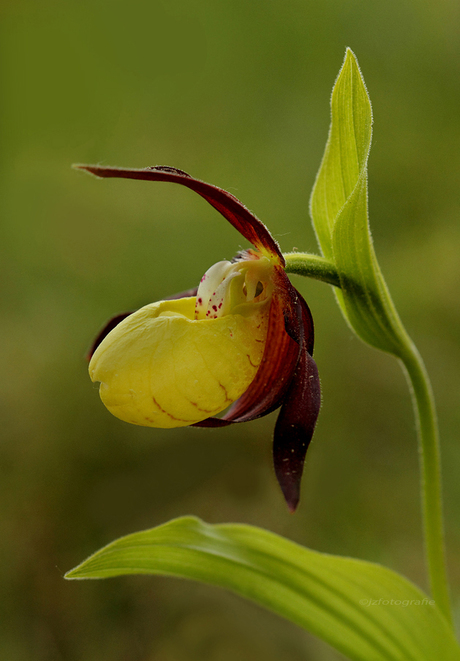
x,y
350,83
349,55
350,64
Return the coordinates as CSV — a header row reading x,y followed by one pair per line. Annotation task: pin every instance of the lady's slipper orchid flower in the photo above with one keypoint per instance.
x,y
243,338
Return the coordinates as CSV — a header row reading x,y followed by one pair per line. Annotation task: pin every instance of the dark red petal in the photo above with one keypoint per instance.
x,y
227,204
299,412
267,390
287,375
295,426
299,394
114,321
287,333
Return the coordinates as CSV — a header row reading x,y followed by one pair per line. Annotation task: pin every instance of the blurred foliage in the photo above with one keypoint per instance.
x,y
237,94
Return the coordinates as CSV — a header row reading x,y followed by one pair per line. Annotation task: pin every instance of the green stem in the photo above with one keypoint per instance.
x,y
430,467
313,266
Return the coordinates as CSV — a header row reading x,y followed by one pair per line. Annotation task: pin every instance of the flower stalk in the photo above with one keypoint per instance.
x,y
430,475
312,266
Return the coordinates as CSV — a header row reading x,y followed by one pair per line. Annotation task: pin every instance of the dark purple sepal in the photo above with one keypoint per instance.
x,y
225,203
295,426
298,320
307,321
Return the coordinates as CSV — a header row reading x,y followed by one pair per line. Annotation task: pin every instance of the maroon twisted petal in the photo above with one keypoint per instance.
x,y
287,377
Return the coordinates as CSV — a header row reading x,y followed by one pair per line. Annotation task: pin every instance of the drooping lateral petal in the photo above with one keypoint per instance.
x,y
299,412
287,376
225,203
295,426
114,321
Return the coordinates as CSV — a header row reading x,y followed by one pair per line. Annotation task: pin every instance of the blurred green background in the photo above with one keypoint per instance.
x,y
236,93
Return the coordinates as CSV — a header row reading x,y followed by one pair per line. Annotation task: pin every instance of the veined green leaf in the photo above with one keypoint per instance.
x,y
339,211
332,597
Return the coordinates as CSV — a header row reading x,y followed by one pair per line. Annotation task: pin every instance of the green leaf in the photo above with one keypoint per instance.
x,y
346,153
339,211
328,595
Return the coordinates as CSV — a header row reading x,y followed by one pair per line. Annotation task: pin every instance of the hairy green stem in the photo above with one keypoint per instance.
x,y
430,468
312,266
319,268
